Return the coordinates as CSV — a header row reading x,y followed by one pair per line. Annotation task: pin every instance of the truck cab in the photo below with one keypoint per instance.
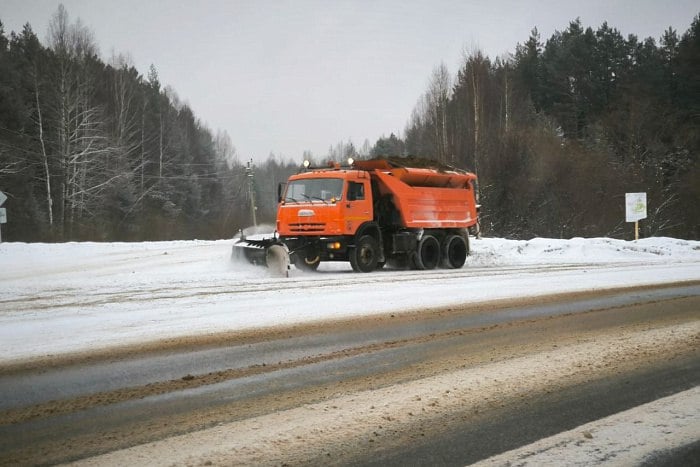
x,y
320,213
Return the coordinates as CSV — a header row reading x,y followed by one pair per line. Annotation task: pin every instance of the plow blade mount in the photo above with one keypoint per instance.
x,y
262,252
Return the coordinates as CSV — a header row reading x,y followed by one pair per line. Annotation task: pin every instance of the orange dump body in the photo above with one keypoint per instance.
x,y
426,198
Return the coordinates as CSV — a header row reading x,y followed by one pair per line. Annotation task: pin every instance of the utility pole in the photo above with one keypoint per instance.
x,y
249,171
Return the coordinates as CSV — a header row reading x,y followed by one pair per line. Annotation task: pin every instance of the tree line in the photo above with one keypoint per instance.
x,y
557,133
95,151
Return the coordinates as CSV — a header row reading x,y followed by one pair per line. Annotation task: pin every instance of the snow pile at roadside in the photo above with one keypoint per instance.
x,y
632,437
493,251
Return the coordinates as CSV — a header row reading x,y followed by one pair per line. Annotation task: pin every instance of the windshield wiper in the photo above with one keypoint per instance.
x,y
311,198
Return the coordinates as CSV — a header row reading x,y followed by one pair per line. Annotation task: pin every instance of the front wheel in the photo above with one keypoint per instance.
x,y
364,257
307,260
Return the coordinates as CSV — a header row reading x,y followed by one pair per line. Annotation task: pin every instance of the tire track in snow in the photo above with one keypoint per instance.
x,y
81,297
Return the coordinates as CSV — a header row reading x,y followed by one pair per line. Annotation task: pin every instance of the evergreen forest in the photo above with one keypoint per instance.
x,y
557,132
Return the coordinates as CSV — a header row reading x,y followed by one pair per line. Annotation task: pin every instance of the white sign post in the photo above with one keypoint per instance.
x,y
3,212
635,210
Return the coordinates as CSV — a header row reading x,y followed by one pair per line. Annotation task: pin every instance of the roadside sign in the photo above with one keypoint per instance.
x,y
635,210
3,197
635,206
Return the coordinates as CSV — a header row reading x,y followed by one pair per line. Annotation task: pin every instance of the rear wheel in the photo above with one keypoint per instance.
x,y
364,257
455,252
428,253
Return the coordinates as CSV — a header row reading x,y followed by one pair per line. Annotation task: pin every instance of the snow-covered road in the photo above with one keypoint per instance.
x,y
59,298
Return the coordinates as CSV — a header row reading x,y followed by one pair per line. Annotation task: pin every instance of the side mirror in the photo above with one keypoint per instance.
x,y
279,191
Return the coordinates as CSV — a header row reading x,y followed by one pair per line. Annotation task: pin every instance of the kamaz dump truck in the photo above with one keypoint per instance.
x,y
370,213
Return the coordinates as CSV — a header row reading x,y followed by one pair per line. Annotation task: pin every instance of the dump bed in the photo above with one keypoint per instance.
x,y
425,197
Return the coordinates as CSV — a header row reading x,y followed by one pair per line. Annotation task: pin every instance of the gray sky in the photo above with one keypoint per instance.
x,y
289,76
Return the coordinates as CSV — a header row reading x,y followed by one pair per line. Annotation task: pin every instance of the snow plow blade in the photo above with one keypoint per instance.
x,y
262,252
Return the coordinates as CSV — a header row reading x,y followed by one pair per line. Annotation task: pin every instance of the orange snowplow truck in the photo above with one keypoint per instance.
x,y
370,213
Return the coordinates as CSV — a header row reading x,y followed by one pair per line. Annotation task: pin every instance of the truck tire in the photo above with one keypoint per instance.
x,y
455,252
306,260
363,258
427,253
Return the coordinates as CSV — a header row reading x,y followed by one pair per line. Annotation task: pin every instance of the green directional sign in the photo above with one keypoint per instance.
x,y
3,197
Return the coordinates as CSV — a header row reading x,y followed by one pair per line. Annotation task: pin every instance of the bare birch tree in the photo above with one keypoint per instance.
x,y
44,153
80,141
126,114
437,97
476,71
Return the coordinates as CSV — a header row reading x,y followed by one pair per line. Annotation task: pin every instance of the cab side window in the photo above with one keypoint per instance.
x,y
356,191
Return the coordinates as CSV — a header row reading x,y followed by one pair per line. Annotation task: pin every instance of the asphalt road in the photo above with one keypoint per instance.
x,y
544,415
64,409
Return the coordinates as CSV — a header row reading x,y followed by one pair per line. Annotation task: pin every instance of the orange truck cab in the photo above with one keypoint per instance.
x,y
373,212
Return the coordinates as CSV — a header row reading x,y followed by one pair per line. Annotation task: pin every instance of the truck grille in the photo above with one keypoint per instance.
x,y
308,227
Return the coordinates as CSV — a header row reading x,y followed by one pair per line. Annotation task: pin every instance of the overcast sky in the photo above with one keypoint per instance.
x,y
289,76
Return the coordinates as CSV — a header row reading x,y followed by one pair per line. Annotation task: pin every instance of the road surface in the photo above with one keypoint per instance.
x,y
452,385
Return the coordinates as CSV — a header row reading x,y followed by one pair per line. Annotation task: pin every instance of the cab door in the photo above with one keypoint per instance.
x,y
358,204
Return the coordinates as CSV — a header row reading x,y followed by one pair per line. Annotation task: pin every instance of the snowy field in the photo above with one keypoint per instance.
x,y
58,298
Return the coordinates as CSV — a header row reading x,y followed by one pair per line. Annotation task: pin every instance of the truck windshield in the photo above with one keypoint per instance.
x,y
325,190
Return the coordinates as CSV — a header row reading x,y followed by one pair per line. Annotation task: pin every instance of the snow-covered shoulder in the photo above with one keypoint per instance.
x,y
497,251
